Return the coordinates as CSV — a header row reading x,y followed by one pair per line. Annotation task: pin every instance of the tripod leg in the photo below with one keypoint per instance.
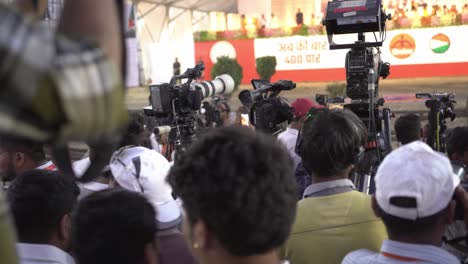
x,y
386,115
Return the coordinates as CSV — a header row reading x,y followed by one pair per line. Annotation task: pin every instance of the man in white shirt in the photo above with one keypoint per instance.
x,y
41,203
414,190
289,137
99,183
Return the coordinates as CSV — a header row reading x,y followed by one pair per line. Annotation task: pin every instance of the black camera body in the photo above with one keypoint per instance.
x,y
444,103
350,16
357,64
268,112
364,68
175,105
441,107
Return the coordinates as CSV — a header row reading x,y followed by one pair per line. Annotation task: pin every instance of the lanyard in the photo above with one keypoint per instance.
x,y
398,257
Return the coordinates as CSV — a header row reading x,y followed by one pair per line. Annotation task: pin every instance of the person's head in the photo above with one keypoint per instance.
x,y
114,226
408,128
142,170
239,194
414,190
301,107
457,145
18,156
331,141
136,132
41,203
224,110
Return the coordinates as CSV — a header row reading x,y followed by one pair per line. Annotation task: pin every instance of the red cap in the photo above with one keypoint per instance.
x,y
302,106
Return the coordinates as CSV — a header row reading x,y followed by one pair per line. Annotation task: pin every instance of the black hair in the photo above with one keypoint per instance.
x,y
133,136
330,142
308,117
224,105
241,184
33,149
113,226
408,128
457,141
397,225
38,200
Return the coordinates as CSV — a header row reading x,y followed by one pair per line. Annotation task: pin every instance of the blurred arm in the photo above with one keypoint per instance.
x,y
95,21
28,7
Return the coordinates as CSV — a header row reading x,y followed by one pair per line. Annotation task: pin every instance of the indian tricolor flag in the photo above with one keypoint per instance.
x,y
440,43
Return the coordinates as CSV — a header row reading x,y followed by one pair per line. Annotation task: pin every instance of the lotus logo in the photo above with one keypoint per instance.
x,y
402,46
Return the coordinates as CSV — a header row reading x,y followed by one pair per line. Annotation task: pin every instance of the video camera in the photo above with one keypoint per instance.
x,y
441,107
268,111
364,67
176,105
355,16
443,102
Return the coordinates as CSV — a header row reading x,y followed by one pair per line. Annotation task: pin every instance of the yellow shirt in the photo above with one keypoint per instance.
x,y
7,235
329,227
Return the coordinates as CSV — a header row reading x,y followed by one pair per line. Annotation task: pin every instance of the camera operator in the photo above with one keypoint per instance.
x,y
457,145
408,128
457,152
415,186
217,113
289,137
333,218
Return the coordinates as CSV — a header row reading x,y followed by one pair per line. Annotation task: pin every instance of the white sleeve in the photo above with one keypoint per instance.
x,y
154,143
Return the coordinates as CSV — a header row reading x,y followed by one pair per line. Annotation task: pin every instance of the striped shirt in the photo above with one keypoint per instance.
x,y
394,252
54,87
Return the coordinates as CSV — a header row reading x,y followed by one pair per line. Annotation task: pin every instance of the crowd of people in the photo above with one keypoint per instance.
x,y
241,196
236,195
424,14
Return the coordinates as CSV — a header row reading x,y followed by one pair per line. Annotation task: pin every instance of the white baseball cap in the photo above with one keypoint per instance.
x,y
415,171
144,170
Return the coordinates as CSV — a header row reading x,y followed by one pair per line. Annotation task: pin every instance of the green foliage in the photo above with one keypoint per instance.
x,y
266,67
304,30
204,36
226,65
336,89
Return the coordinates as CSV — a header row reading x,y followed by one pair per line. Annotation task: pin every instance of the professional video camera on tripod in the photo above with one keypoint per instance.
x,y
364,67
268,112
176,106
441,107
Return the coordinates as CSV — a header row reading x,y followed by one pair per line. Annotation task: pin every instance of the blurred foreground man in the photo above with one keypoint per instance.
x,y
57,87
